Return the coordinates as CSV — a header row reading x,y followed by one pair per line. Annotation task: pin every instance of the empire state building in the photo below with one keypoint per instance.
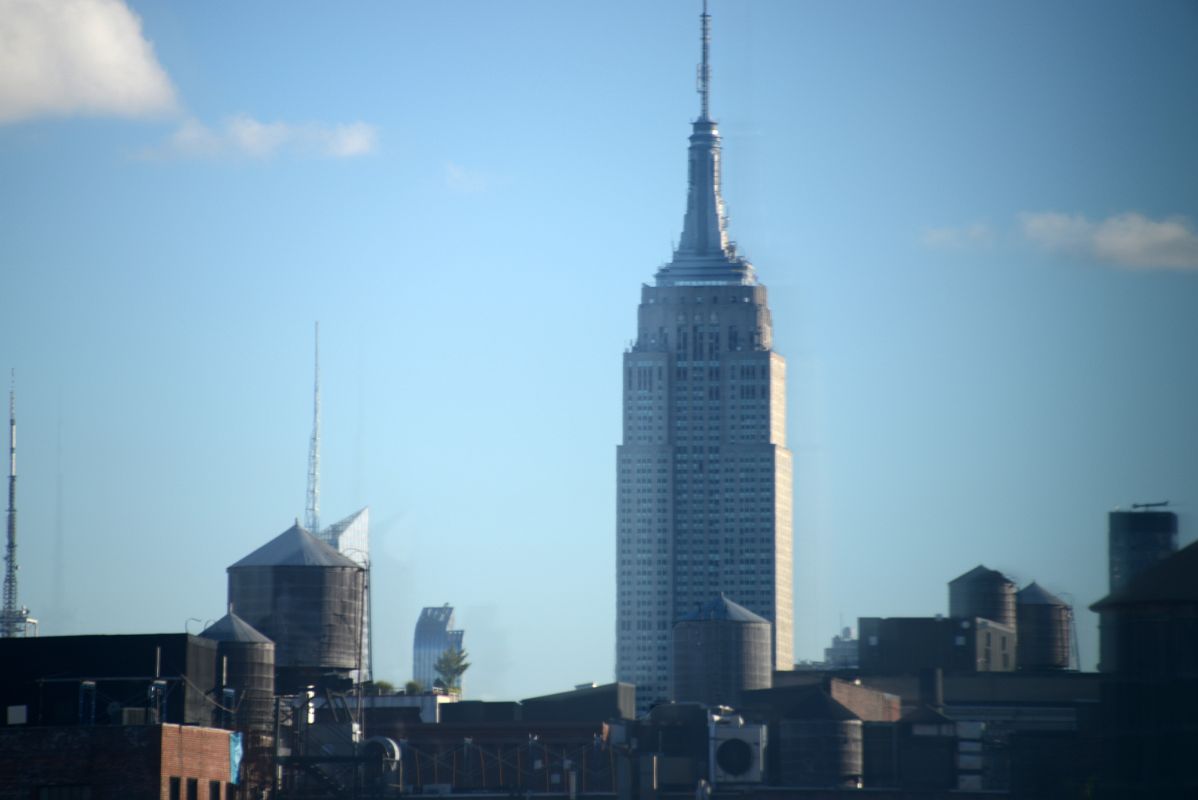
x,y
704,476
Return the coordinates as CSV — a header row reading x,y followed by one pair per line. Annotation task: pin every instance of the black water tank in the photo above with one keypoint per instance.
x,y
308,599
985,593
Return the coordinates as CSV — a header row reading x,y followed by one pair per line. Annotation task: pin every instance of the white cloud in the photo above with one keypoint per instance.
x,y
949,238
1128,240
255,138
245,136
60,57
77,57
355,139
464,180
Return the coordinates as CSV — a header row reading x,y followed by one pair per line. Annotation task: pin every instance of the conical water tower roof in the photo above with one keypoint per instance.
x,y
721,608
295,547
981,573
819,705
232,628
1036,595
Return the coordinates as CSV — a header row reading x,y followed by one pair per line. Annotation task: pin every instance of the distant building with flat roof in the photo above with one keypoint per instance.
x,y
110,679
843,652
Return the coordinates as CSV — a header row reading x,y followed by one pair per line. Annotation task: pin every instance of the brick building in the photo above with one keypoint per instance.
x,y
116,762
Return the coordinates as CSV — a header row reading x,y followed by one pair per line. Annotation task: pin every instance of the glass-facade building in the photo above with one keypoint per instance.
x,y
703,472
434,635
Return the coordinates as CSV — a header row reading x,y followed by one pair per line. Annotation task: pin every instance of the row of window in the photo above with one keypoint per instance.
x,y
666,298
193,789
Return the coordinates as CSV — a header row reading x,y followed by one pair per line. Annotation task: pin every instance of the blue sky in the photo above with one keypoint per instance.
x,y
976,221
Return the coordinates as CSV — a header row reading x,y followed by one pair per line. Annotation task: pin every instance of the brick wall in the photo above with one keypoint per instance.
x,y
118,762
193,752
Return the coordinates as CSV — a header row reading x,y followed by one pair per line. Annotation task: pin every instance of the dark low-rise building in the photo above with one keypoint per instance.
x,y
1149,666
117,762
910,645
814,740
586,703
101,680
1029,733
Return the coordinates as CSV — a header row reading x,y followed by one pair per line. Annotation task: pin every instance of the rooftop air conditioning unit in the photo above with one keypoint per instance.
x,y
139,716
737,754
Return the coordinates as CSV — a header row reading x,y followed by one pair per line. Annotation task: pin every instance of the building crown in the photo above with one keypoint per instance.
x,y
705,254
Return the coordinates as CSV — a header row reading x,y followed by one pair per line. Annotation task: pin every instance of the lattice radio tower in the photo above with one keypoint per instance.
x,y
14,619
312,509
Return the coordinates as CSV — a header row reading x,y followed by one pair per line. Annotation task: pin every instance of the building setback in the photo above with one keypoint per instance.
x,y
703,472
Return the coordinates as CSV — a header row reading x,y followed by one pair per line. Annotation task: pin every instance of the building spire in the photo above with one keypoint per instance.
x,y
703,229
704,82
312,509
704,253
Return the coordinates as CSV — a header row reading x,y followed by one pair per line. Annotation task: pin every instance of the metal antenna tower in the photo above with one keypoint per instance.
x,y
312,510
13,619
704,82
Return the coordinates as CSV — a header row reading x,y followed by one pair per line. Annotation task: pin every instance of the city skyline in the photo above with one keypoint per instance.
x,y
977,225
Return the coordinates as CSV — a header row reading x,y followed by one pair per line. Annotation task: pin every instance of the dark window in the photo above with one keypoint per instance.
x,y
213,790
193,789
176,789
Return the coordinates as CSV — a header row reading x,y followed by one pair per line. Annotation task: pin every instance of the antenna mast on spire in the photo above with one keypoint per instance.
x,y
312,510
14,619
704,88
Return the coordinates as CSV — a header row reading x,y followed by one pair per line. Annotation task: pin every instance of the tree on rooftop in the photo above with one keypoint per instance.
x,y
450,667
